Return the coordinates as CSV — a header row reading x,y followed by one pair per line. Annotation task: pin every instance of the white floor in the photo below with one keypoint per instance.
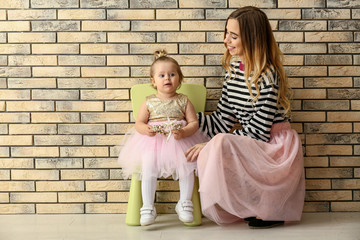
x,y
314,226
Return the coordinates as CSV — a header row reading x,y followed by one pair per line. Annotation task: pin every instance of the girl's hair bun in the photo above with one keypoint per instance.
x,y
159,54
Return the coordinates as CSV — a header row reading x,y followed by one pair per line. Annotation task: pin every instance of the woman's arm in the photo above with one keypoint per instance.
x,y
141,121
192,123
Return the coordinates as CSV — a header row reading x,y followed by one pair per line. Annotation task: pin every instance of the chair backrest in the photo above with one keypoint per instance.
x,y
195,92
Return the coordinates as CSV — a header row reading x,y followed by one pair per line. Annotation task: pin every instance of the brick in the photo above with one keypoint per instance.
x,y
345,161
84,151
217,14
319,150
303,48
356,81
302,25
15,72
57,140
181,37
82,60
54,4
214,37
289,36
2,14
301,4
14,4
33,197
116,174
4,198
293,60
55,26
13,163
326,105
14,94
153,4
346,183
32,83
118,128
59,208
130,37
341,4
3,60
82,197
344,48
56,71
316,162
104,4
356,59
125,82
355,105
343,116
104,117
328,195
130,60
309,94
14,26
167,197
104,48
306,71
14,118
92,37
17,208
55,117
180,14
115,106
117,196
14,48
328,127
32,129
31,37
282,13
104,94
35,151
15,140
151,48
35,174
32,14
79,106
316,207
317,184
4,174
105,25
81,83
81,174
356,127
355,13
101,162
328,82
332,138
202,71
155,26
255,3
107,185
81,129
131,14
356,195
51,163
3,83
55,49
106,207
60,186
328,37
70,14
341,25
326,13
55,94
32,60
345,206
356,170
202,25
102,140
329,172
4,152
202,4
344,71
17,186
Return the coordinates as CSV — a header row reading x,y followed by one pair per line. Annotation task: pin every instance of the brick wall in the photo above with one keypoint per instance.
x,y
66,67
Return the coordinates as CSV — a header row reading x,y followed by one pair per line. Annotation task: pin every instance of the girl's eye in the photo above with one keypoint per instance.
x,y
162,75
172,74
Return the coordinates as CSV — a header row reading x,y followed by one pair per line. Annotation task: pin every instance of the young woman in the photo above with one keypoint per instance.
x,y
254,173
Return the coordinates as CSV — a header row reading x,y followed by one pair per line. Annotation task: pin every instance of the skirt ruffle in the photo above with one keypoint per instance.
x,y
157,156
242,177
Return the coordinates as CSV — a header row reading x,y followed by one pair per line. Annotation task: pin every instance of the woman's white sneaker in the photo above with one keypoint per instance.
x,y
184,209
147,215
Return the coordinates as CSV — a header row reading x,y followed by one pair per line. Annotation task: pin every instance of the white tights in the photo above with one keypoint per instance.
x,y
148,189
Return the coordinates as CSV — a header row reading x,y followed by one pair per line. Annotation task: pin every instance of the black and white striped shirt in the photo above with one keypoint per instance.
x,y
235,105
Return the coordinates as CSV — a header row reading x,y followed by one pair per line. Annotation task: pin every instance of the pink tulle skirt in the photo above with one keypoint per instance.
x,y
242,177
157,156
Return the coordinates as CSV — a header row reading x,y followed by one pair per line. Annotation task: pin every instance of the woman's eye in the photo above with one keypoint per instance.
x,y
234,37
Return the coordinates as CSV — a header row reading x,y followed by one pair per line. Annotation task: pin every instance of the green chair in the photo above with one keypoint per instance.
x,y
197,95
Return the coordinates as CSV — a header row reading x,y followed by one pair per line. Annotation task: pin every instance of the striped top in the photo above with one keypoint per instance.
x,y
235,105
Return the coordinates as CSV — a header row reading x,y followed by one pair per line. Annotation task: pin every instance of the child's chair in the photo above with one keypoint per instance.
x,y
197,95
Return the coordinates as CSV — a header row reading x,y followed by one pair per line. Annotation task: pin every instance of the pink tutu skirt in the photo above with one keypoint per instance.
x,y
157,156
242,177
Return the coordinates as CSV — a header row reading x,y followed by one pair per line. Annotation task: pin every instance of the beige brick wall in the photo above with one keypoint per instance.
x,y
66,68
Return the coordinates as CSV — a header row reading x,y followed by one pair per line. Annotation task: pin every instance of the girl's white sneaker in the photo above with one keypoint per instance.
x,y
147,215
184,209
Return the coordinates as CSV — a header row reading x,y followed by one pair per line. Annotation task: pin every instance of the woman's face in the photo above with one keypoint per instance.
x,y
232,38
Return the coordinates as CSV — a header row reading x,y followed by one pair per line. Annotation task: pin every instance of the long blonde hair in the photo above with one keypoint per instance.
x,y
261,52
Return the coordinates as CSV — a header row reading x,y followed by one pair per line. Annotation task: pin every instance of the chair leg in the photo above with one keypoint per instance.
x,y
134,202
197,206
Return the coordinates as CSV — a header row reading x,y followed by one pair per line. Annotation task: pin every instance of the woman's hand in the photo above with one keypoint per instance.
x,y
193,152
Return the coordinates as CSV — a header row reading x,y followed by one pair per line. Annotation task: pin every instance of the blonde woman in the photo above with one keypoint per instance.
x,y
254,173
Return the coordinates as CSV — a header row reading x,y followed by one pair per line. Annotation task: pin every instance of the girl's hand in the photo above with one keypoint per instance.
x,y
147,130
193,152
178,134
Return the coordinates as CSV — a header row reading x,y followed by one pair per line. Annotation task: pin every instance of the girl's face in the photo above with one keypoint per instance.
x,y
166,78
232,38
